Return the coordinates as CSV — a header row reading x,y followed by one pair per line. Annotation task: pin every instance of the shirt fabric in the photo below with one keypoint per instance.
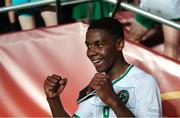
x,y
92,10
33,10
17,2
136,89
169,9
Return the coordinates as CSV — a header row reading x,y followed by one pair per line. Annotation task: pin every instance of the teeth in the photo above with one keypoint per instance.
x,y
96,61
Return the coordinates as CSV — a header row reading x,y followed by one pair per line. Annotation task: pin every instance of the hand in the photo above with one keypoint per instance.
x,y
54,85
103,87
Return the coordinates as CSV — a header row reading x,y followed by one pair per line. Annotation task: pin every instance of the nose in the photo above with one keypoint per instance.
x,y
91,52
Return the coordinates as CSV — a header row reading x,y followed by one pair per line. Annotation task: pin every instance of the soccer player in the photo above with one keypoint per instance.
x,y
120,89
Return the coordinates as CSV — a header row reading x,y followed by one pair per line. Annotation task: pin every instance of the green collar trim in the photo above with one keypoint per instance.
x,y
123,75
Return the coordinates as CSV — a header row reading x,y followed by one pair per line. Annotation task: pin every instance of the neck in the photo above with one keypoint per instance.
x,y
118,69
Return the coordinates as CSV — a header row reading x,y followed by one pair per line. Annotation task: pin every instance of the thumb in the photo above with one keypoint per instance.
x,y
89,90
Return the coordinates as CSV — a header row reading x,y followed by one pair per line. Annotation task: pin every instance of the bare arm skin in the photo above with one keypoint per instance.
x,y
11,14
103,87
53,86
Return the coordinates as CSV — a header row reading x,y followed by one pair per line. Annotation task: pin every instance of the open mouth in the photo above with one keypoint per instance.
x,y
97,62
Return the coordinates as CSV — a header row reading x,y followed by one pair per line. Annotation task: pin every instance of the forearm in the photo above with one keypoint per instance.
x,y
120,109
11,17
11,14
57,108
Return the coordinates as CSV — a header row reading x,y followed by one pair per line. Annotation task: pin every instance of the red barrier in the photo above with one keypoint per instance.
x,y
26,58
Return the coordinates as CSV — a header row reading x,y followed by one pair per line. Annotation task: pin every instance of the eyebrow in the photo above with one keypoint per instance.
x,y
96,42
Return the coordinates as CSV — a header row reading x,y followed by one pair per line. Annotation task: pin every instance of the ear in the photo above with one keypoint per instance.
x,y
120,44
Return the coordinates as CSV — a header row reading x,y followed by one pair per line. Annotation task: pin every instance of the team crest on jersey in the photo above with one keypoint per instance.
x,y
123,96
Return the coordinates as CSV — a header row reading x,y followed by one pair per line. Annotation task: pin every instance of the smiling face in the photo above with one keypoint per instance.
x,y
101,49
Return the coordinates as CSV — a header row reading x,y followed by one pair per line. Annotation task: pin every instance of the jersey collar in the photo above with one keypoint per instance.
x,y
123,75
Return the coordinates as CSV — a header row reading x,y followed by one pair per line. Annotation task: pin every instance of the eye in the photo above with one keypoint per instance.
x,y
99,45
88,46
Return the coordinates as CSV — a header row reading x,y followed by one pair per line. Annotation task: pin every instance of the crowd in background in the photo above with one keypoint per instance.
x,y
141,29
31,18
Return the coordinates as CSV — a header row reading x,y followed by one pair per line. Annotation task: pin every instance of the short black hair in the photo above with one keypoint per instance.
x,y
110,25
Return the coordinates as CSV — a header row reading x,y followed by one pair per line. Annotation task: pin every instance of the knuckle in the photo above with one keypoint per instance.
x,y
99,87
102,83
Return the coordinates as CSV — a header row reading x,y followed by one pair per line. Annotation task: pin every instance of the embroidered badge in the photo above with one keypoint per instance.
x,y
123,96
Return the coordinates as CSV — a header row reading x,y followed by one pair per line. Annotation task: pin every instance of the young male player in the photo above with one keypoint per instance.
x,y
122,90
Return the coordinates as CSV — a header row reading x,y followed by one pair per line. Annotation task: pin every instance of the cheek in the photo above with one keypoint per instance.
x,y
87,53
109,61
110,57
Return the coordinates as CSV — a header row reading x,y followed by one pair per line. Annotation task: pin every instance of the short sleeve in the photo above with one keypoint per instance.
x,y
148,98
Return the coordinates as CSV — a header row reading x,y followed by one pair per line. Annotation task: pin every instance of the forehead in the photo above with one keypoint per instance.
x,y
97,35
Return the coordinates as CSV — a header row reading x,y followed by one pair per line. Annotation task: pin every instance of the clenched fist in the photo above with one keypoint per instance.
x,y
54,85
103,87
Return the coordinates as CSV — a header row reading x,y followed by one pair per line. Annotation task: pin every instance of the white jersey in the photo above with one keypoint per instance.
x,y
136,89
169,9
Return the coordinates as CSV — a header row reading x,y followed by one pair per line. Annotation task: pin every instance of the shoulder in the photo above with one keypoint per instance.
x,y
146,86
143,78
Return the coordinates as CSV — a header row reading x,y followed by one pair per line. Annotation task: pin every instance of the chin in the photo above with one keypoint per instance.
x,y
100,70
